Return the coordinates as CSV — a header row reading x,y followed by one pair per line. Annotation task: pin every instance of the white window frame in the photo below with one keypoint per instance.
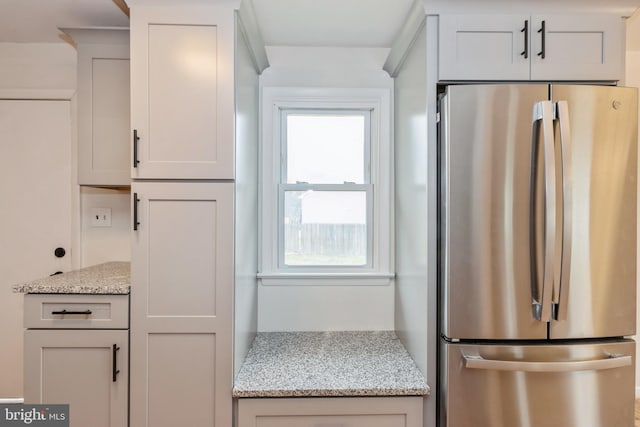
x,y
275,102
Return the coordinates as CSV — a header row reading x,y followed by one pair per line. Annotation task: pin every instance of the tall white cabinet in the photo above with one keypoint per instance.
x,y
184,79
182,276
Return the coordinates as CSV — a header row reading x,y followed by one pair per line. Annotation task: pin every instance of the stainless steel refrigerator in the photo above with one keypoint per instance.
x,y
537,255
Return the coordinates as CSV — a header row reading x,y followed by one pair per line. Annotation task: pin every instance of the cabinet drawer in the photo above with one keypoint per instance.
x,y
331,412
333,421
72,311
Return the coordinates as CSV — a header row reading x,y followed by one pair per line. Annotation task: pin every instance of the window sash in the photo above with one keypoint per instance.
x,y
367,189
366,113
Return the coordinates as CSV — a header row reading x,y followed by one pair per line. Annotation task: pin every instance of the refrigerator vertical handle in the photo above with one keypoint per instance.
x,y
543,113
561,293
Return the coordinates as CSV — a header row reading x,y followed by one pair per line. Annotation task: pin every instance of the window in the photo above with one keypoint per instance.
x,y
325,193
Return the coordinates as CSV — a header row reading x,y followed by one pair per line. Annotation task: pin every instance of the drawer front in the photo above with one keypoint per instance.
x,y
332,421
72,311
331,412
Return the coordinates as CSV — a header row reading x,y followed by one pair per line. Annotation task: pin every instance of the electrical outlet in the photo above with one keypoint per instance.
x,y
101,217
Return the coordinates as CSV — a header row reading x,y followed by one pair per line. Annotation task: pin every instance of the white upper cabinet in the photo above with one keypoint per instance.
x,y
577,47
483,47
182,106
103,105
524,47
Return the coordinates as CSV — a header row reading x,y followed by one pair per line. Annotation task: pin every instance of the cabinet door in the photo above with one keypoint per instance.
x,y
181,313
77,368
103,114
483,47
182,92
578,47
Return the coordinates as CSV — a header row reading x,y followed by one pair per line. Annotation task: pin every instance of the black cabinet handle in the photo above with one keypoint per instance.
x,y
136,223
63,312
115,370
525,30
542,31
136,138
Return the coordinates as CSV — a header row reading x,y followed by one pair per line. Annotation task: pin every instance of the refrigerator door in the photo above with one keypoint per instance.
x,y
574,385
596,296
487,243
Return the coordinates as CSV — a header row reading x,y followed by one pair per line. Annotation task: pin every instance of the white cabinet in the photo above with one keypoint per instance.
x,y
183,120
85,368
181,296
182,106
482,47
103,105
524,47
334,411
578,47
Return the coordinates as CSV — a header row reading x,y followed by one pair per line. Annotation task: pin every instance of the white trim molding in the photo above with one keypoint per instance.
x,y
378,101
249,26
11,400
402,44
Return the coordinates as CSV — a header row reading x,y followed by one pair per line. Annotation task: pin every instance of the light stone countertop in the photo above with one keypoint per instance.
x,y
295,364
111,278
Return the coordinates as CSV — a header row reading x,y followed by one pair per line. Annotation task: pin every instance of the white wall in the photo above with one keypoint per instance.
x,y
323,307
411,147
102,244
36,69
246,200
632,74
416,207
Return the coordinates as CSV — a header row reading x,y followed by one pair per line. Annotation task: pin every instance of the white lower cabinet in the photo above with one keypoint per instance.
x,y
331,412
86,369
181,304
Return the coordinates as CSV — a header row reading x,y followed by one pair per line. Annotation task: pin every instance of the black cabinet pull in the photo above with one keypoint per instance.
x,y
136,138
136,223
115,370
542,31
525,30
63,312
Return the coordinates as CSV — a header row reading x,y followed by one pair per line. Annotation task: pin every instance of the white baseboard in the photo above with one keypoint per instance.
x,y
11,400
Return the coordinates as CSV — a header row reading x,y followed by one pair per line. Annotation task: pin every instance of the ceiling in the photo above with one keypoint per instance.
x,y
357,23
282,22
36,21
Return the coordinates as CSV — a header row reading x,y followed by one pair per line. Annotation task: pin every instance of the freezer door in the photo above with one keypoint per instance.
x,y
487,288
576,385
597,293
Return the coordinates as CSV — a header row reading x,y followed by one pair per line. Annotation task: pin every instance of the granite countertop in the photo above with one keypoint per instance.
x,y
294,364
110,278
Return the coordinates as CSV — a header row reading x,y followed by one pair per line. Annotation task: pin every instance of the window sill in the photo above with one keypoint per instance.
x,y
325,279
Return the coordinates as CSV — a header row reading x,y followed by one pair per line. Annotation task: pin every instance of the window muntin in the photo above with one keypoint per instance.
x,y
325,196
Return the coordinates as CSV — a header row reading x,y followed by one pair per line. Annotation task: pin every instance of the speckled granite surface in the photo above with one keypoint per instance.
x,y
293,364
110,278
